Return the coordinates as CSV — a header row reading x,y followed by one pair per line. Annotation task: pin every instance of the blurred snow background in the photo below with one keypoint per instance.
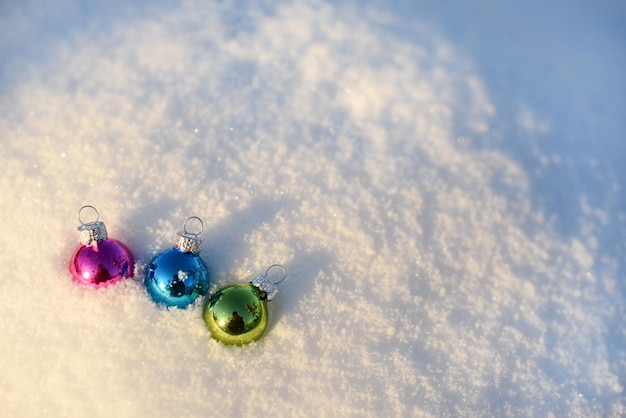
x,y
444,183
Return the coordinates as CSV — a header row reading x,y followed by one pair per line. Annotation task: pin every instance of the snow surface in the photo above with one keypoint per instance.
x,y
444,182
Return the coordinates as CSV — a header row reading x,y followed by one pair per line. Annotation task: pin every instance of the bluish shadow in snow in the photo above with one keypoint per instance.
x,y
226,241
563,123
555,74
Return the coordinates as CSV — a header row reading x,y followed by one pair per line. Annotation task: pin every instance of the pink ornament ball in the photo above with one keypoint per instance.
x,y
102,263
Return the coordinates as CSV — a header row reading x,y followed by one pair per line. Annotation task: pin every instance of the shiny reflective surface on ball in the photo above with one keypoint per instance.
x,y
236,315
175,278
103,263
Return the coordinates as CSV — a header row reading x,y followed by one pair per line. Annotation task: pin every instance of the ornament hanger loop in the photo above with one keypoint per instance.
x,y
192,233
284,274
80,211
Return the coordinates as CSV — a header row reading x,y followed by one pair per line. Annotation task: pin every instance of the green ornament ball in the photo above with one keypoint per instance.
x,y
236,315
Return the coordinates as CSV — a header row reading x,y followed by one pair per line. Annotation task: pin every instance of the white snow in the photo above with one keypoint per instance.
x,y
443,182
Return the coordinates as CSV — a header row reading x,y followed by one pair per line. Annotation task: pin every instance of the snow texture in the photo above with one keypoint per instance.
x,y
444,182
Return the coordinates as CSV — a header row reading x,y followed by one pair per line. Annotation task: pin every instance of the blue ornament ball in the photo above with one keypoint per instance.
x,y
176,278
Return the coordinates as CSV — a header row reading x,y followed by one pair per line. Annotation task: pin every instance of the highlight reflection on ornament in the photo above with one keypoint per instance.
x,y
99,260
237,314
176,277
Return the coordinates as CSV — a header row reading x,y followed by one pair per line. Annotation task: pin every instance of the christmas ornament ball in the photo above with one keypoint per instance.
x,y
176,278
102,263
236,315
99,260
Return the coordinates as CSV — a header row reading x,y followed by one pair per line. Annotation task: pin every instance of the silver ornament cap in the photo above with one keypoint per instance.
x,y
265,285
93,231
189,242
